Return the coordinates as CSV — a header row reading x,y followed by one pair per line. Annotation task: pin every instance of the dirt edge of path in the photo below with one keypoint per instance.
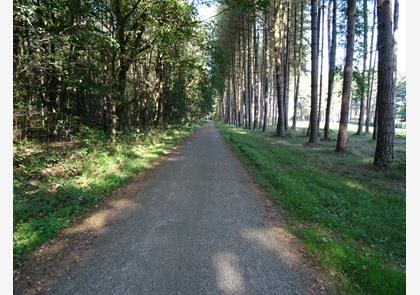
x,y
58,255
315,279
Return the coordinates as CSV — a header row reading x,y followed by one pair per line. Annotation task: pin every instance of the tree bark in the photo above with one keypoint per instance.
x,y
249,73
256,99
371,72
264,68
313,135
365,48
233,65
298,63
348,72
322,11
287,69
384,152
332,46
280,131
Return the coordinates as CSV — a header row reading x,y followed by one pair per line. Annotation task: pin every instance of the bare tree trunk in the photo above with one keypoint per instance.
x,y
256,39
264,70
322,10
234,111
384,153
279,70
365,48
332,46
287,70
245,80
228,102
240,82
297,64
249,72
370,72
313,136
348,71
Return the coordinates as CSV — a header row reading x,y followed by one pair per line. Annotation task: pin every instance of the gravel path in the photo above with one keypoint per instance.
x,y
195,228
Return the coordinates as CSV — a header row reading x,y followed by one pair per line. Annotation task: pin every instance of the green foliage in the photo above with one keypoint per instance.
x,y
346,213
55,183
110,65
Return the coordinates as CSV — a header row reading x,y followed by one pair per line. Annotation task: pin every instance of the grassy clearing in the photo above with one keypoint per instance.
x,y
53,184
347,213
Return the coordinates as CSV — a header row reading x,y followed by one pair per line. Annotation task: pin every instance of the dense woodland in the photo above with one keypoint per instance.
x,y
266,47
110,65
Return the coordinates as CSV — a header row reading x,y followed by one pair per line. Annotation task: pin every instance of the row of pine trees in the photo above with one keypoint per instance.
x,y
262,48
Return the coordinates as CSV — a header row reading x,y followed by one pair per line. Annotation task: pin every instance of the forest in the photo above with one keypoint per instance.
x,y
308,95
277,42
131,66
113,66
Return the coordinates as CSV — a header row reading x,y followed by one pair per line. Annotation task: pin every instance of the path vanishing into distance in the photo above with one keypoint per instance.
x,y
196,227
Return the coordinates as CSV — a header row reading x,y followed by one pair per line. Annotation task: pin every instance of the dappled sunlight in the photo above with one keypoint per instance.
x,y
152,154
240,131
74,179
279,141
228,274
354,185
82,181
97,221
273,238
264,236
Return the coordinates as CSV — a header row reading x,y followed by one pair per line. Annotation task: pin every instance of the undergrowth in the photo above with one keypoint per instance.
x,y
57,182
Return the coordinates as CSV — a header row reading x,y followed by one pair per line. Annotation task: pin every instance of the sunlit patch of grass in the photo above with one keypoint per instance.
x,y
53,184
348,214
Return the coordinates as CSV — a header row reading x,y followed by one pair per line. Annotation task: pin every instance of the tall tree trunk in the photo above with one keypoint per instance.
x,y
298,63
249,72
313,136
384,152
370,71
256,99
332,46
287,69
348,72
228,101
264,70
279,70
365,49
322,12
245,80
234,112
295,26
240,81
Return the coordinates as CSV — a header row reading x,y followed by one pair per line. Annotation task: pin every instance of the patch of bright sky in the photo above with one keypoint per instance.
x,y
205,12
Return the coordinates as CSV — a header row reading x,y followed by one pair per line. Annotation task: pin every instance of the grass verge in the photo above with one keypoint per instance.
x,y
348,214
53,184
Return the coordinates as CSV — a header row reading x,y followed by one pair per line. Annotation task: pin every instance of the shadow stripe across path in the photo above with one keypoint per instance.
x,y
195,228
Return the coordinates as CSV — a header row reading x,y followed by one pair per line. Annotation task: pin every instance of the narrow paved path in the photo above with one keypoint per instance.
x,y
195,228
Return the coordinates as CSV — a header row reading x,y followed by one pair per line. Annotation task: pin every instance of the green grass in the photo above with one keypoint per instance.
x,y
348,214
53,184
